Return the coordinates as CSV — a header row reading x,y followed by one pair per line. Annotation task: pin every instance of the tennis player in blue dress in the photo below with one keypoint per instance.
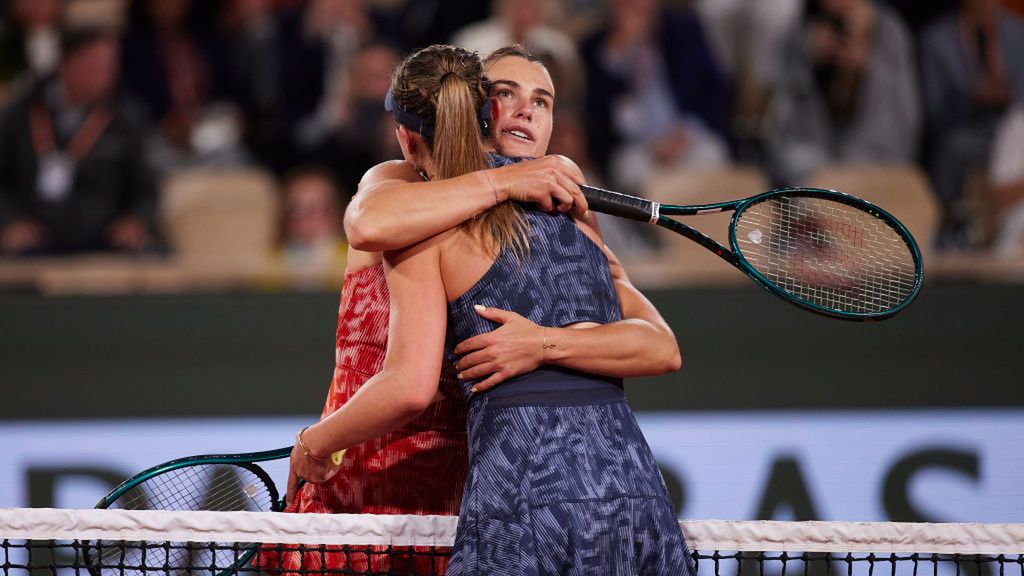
x,y
561,480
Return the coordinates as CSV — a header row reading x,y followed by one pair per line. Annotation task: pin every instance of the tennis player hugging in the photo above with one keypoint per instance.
x,y
469,270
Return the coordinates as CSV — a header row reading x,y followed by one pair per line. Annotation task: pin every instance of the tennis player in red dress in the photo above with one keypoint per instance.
x,y
418,469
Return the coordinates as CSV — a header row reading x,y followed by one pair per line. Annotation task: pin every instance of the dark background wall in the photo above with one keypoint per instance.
x,y
959,345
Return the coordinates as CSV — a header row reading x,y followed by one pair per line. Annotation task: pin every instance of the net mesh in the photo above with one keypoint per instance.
x,y
827,253
118,542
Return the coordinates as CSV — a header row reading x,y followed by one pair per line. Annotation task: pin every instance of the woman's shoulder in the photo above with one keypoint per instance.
x,y
587,224
440,245
390,170
563,225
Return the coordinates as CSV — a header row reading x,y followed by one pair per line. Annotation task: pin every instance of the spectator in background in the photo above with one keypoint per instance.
x,y
749,36
73,175
626,238
577,18
748,29
177,71
29,41
311,244
971,72
419,23
363,133
252,39
917,14
1006,175
655,95
320,44
847,92
526,22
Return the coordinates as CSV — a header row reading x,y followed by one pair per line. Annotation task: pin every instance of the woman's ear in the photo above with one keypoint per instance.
x,y
414,149
407,142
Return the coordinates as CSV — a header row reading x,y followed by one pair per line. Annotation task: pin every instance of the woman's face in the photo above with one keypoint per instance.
x,y
311,211
522,112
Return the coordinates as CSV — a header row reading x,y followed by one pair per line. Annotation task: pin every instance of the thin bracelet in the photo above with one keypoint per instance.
x,y
304,448
544,346
493,188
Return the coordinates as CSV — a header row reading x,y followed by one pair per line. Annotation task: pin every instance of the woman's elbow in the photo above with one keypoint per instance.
x,y
674,361
411,406
417,398
362,234
669,357
658,361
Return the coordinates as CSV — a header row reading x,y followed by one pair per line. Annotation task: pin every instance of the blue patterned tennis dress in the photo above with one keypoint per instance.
x,y
561,480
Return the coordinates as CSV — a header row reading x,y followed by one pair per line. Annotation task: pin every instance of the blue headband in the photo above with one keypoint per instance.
x,y
420,125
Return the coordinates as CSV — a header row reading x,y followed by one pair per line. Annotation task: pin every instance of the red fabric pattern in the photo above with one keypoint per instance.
x,y
418,469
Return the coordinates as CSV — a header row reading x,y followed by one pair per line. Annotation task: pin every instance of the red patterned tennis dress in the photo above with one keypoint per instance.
x,y
418,469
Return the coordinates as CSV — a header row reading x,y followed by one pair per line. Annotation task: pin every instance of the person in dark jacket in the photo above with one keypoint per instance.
x,y
972,73
73,175
654,88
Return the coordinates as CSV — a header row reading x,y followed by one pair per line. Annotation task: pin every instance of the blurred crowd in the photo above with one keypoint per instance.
x,y
105,102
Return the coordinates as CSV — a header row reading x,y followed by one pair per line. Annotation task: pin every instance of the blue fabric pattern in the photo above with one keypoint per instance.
x,y
561,480
497,160
562,280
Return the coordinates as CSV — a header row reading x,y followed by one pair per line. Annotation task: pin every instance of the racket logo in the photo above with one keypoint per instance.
x,y
755,236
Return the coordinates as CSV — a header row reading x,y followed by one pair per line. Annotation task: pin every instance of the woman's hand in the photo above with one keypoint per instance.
x,y
543,181
309,468
514,348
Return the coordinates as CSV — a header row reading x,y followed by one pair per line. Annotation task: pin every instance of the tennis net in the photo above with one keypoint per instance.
x,y
38,542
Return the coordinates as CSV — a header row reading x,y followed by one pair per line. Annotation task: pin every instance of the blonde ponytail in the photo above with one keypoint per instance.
x,y
458,147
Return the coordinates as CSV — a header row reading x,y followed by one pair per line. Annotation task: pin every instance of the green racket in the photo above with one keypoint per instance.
x,y
825,251
210,482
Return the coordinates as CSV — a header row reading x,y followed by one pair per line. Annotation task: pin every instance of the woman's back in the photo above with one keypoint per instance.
x,y
562,280
561,480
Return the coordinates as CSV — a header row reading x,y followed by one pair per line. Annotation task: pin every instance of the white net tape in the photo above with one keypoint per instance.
x,y
372,529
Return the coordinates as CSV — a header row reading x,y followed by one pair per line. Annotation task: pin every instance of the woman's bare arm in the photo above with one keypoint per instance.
x,y
641,344
408,381
395,208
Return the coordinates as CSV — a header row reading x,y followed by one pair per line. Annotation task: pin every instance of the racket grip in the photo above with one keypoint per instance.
x,y
622,205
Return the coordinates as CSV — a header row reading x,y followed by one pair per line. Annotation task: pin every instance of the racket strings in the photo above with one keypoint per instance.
x,y
206,487
200,487
828,253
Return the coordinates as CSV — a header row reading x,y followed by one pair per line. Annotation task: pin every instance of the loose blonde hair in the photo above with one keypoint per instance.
x,y
445,86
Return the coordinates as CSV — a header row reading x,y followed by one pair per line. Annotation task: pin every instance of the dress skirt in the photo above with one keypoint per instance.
x,y
564,483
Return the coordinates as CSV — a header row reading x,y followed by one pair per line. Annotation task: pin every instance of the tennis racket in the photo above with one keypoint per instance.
x,y
825,251
211,482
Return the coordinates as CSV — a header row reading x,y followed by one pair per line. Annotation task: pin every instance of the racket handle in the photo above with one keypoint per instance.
x,y
622,205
